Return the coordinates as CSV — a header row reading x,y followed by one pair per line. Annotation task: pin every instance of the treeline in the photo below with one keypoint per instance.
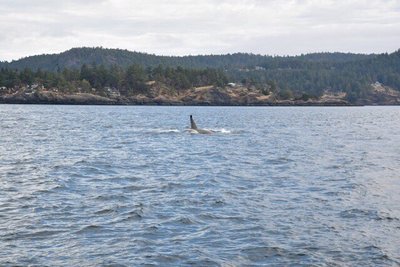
x,y
128,81
76,57
296,76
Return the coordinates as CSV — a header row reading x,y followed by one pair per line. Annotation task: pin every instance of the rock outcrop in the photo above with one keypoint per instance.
x,y
159,94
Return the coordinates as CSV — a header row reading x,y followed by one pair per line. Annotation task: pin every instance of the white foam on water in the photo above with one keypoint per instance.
x,y
222,130
213,131
164,131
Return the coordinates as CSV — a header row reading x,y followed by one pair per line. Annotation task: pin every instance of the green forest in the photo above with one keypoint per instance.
x,y
313,77
130,72
128,81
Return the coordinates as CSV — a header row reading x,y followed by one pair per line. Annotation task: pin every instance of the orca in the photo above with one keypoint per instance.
x,y
194,127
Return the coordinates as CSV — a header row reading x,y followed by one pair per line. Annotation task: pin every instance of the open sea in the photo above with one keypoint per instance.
x,y
131,186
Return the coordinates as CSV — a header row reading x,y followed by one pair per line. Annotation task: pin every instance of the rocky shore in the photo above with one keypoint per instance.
x,y
204,96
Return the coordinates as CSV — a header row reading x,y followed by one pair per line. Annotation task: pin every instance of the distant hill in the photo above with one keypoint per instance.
x,y
287,77
76,57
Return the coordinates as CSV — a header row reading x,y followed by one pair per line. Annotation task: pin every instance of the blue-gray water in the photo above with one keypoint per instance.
x,y
129,186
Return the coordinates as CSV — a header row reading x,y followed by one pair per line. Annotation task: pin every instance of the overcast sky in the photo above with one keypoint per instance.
x,y
183,27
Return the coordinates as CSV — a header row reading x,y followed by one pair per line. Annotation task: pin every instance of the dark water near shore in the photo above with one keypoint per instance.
x,y
129,186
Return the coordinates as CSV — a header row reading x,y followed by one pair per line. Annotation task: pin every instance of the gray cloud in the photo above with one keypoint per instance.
x,y
179,27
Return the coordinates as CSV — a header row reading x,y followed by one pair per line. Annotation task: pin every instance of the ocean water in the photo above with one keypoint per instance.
x,y
131,186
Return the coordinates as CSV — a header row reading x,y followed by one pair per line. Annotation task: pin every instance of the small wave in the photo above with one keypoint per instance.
x,y
257,254
186,220
79,162
222,130
182,220
132,188
45,233
371,214
110,197
89,228
172,185
134,215
278,161
164,131
105,211
40,234
210,216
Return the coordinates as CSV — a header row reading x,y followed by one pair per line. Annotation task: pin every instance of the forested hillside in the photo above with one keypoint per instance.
x,y
293,75
99,79
76,57
81,69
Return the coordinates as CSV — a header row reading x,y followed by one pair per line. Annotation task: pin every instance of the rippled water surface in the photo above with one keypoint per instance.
x,y
129,186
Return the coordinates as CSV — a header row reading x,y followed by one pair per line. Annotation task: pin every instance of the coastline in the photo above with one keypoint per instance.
x,y
96,100
200,96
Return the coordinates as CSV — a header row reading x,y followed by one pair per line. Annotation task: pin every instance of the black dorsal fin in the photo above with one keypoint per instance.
x,y
192,123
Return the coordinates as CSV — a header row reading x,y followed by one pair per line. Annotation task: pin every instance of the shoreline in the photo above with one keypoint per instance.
x,y
205,96
152,102
195,105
